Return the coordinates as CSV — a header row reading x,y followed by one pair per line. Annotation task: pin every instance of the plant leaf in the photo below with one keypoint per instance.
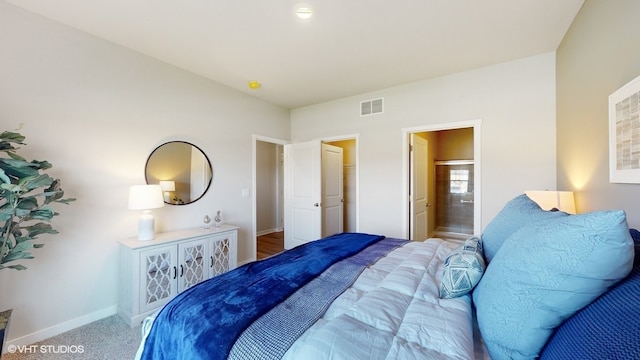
x,y
25,195
39,228
13,256
15,156
17,168
40,214
9,136
16,267
22,247
4,178
34,182
66,201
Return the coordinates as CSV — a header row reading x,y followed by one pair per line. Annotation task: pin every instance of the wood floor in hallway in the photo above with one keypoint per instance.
x,y
270,244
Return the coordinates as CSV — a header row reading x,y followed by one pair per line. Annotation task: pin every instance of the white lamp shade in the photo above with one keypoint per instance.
x,y
168,185
145,197
561,200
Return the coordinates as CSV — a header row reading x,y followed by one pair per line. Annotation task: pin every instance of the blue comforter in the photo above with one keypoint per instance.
x,y
224,306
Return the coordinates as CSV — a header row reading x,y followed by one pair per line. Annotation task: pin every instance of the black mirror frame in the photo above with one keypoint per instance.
x,y
146,178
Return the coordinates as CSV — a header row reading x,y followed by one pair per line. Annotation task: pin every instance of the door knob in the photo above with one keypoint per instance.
x,y
428,205
316,205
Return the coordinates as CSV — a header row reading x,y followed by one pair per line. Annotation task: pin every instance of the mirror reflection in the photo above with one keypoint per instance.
x,y
182,170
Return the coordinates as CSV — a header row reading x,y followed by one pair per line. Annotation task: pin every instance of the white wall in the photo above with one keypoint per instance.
x,y
598,55
267,193
514,100
95,111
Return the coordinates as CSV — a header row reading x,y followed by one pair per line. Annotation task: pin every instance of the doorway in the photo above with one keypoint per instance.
x,y
315,188
443,190
268,191
349,181
268,188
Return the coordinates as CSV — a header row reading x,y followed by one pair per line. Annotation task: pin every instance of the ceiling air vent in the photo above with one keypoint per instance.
x,y
371,107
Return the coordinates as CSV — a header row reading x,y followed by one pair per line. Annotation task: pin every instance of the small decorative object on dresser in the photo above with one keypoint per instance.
x,y
153,272
218,218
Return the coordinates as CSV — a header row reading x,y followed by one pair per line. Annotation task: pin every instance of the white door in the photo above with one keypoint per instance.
x,y
332,190
418,202
302,194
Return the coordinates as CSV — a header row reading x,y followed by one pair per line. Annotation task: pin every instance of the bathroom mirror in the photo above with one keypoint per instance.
x,y
182,170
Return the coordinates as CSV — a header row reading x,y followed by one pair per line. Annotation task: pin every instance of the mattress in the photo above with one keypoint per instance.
x,y
392,311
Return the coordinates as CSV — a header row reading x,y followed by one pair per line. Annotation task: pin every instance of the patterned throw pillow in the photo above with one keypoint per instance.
x,y
463,269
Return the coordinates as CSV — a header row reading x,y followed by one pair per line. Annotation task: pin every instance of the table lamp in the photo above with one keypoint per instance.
x,y
561,200
145,198
167,187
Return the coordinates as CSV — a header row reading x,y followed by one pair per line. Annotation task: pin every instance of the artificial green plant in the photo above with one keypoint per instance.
x,y
26,196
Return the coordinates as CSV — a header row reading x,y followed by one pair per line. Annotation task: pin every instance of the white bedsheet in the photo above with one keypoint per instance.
x,y
393,311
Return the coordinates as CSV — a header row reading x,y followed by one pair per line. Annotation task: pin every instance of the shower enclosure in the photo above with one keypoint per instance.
x,y
454,196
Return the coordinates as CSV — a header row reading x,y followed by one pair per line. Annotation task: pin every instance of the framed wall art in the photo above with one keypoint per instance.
x,y
624,133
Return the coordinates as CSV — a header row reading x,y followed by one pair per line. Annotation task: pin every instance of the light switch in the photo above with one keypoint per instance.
x,y
245,193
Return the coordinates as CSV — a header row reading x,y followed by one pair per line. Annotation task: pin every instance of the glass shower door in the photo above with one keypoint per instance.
x,y
454,196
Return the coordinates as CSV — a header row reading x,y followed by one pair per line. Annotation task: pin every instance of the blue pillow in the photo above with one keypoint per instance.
x,y
606,329
517,213
635,235
544,273
463,269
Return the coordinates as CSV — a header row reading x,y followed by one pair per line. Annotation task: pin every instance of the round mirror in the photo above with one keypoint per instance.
x,y
182,170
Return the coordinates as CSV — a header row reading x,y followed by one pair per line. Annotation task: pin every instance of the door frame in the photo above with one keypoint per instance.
x,y
476,125
254,204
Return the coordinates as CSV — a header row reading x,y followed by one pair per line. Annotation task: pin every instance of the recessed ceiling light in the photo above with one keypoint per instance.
x,y
304,12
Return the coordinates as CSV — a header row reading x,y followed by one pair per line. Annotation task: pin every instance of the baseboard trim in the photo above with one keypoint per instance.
x,y
268,231
60,328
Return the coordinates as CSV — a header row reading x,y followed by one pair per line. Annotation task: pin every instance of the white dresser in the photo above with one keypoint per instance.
x,y
153,272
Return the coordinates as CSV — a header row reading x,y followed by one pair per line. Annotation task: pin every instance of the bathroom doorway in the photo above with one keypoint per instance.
x,y
451,177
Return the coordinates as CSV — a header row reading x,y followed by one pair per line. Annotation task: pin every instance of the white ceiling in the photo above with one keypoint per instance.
x,y
348,47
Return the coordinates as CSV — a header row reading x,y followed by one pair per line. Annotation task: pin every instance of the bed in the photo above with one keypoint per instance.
x,y
535,284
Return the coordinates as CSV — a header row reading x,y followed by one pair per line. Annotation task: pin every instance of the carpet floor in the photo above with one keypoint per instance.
x,y
108,338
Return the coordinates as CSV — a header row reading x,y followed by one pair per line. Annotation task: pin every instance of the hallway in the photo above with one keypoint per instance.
x,y
270,244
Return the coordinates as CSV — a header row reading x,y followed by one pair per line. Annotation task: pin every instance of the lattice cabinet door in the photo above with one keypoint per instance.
x,y
193,267
152,272
222,253
158,278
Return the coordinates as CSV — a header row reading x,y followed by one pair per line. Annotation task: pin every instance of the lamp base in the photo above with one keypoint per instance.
x,y
146,226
